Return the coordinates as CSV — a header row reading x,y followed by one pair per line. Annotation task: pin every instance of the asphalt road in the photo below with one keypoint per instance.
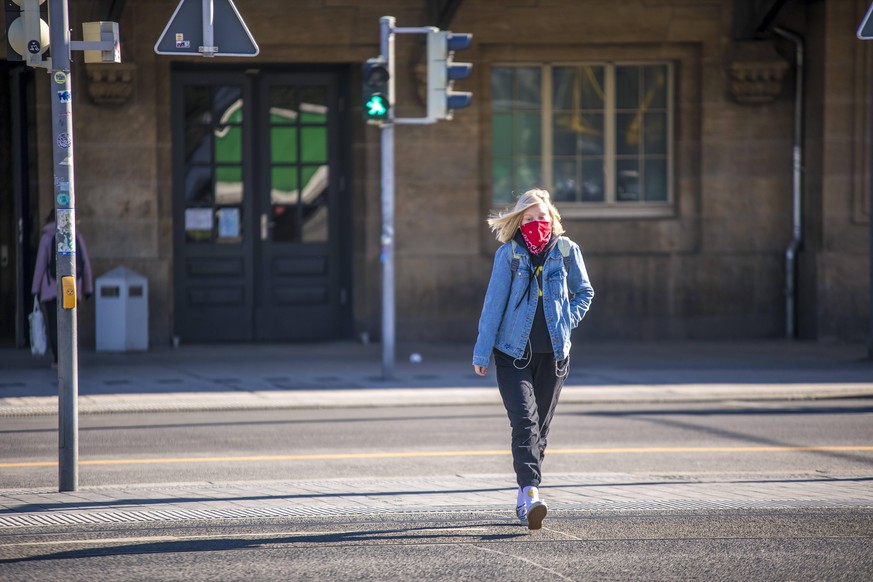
x,y
764,439
414,442
812,545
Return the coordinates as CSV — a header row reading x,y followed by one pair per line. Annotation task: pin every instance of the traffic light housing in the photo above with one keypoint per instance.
x,y
27,30
377,96
106,32
442,71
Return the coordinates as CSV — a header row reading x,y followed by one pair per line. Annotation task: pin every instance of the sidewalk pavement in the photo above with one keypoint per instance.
x,y
348,374
457,496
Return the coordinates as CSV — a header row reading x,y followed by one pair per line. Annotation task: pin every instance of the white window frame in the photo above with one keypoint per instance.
x,y
610,208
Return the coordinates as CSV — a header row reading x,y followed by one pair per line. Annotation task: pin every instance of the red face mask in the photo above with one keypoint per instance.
x,y
536,235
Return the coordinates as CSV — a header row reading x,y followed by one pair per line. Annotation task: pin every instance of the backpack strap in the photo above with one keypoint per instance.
x,y
564,247
516,257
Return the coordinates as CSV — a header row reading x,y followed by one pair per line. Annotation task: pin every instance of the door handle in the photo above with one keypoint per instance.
x,y
265,226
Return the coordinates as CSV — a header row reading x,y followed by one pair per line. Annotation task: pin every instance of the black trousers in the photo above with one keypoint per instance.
x,y
530,391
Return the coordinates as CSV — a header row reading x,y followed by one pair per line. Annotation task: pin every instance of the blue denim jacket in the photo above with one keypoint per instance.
x,y
509,309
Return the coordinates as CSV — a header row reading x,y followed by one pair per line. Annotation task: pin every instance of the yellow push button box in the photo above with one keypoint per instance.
x,y
68,285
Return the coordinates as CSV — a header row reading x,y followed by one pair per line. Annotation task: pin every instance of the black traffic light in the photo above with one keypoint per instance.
x,y
376,90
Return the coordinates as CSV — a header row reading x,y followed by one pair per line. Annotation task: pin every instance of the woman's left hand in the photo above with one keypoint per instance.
x,y
480,370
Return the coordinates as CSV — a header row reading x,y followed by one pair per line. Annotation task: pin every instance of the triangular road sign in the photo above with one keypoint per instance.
x,y
865,31
184,33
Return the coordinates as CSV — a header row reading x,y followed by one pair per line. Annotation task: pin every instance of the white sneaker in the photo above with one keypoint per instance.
x,y
535,509
521,512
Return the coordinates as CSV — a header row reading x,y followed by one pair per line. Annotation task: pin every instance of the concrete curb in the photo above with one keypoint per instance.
x,y
400,397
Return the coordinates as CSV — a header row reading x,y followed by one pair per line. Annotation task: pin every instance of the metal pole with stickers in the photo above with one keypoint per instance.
x,y
378,109
65,218
47,45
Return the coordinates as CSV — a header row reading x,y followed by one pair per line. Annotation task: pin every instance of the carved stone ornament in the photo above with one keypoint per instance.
x,y
756,72
110,84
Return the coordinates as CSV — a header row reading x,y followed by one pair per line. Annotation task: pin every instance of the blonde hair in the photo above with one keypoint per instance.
x,y
507,222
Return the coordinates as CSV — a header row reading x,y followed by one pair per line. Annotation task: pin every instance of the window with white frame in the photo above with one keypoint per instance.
x,y
596,135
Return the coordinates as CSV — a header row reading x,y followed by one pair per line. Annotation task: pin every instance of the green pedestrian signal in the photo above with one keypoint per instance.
x,y
377,107
376,90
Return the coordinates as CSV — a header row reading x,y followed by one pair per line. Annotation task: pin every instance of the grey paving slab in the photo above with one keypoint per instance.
x,y
602,493
254,376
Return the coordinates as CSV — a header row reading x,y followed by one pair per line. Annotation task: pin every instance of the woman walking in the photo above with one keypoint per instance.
x,y
538,293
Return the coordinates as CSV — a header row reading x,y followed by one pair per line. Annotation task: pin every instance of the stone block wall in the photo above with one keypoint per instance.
x,y
713,268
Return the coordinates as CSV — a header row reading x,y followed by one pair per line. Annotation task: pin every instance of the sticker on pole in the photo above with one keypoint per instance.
x,y
64,235
184,34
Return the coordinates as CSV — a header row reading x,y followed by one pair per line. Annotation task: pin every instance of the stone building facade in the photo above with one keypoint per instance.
x,y
247,190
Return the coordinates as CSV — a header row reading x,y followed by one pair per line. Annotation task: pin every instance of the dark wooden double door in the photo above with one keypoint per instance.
x,y
259,209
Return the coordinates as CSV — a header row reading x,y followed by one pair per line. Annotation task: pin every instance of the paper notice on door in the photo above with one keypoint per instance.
x,y
198,219
228,224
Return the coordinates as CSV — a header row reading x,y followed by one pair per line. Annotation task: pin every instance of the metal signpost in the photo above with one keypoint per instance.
x,y
215,29
441,100
30,37
65,218
865,32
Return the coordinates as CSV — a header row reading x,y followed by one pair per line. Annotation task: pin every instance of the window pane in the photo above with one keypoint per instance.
x,y
589,128
563,136
656,180
655,133
229,221
283,144
198,104
563,88
228,144
285,223
655,83
501,135
527,134
627,184
528,174
283,105
627,87
283,185
577,88
314,144
528,88
315,207
591,81
198,144
501,88
228,104
501,181
313,105
314,182
593,181
228,185
199,223
577,134
566,185
315,223
198,185
627,128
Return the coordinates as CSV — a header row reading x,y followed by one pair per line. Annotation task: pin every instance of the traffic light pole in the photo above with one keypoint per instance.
x,y
387,31
65,218
386,48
